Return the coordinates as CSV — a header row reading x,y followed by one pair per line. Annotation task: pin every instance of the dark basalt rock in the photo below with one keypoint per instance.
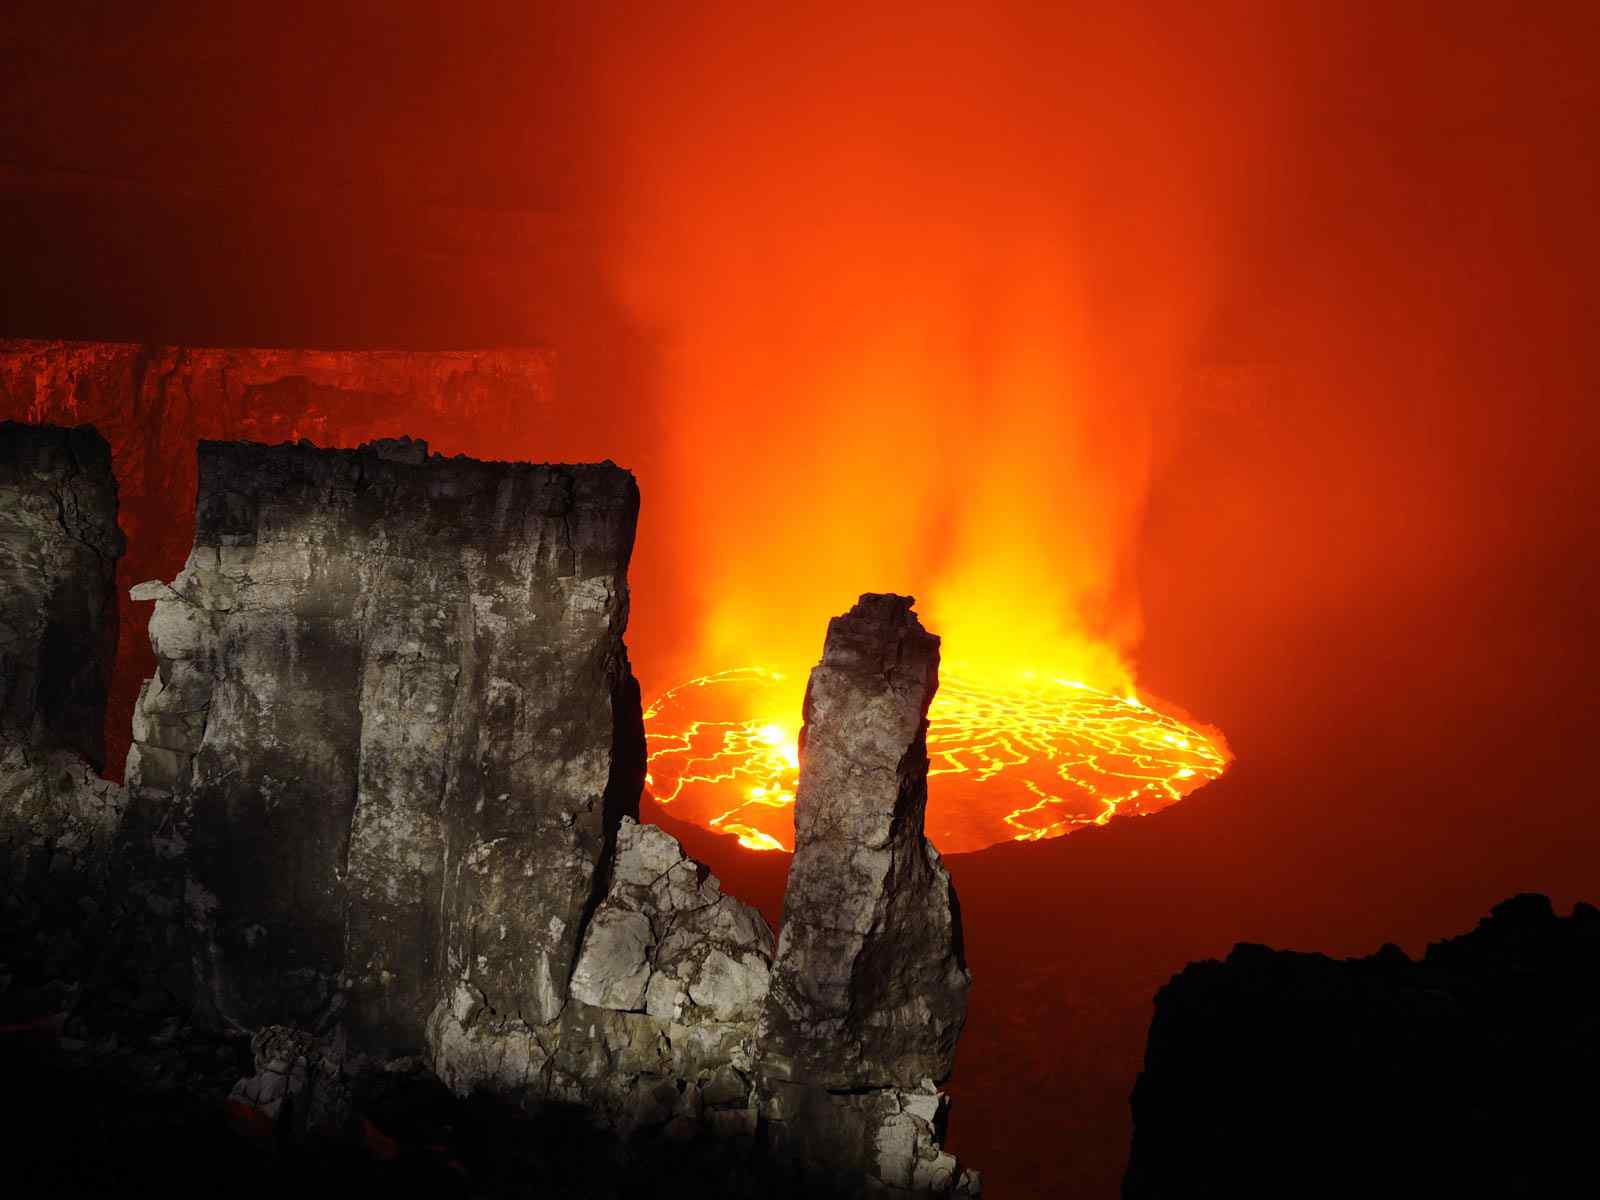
x,y
395,708
869,988
1467,1073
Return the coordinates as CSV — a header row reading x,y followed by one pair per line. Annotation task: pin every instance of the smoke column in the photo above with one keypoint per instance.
x,y
926,280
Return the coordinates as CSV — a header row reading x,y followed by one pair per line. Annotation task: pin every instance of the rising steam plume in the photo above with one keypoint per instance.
x,y
927,279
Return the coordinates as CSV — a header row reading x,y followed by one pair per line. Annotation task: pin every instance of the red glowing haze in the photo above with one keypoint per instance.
x,y
1241,354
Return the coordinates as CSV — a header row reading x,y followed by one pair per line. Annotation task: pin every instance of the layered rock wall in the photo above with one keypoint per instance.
x,y
154,403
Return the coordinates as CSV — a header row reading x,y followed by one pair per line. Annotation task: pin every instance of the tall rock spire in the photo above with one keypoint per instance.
x,y
869,989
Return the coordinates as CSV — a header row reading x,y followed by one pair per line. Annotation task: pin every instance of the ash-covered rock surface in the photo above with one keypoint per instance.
x,y
869,988
1468,1072
395,713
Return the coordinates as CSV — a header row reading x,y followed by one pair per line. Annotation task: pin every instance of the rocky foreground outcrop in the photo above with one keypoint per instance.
x,y
378,833
1468,1072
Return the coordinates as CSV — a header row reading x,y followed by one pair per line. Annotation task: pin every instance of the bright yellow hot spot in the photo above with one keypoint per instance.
x,y
1028,758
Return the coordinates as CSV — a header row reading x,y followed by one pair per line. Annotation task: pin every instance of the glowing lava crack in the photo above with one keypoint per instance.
x,y
1034,760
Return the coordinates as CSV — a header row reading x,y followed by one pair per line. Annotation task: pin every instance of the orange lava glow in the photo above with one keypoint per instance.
x,y
1035,757
910,343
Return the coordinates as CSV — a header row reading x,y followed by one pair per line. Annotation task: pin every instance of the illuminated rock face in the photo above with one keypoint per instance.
x,y
395,703
869,989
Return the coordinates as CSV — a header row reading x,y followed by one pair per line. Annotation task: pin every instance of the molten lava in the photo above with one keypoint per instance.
x,y
1023,760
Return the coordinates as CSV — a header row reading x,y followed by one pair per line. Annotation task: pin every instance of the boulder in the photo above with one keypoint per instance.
x,y
660,1025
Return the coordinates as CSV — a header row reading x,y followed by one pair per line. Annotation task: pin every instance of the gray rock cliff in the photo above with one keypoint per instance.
x,y
395,706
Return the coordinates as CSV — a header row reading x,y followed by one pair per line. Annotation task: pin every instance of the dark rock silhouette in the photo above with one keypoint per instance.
x,y
376,855
1468,1072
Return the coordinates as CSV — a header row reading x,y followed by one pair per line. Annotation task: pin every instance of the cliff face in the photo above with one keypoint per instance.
x,y
395,705
59,545
1468,1072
